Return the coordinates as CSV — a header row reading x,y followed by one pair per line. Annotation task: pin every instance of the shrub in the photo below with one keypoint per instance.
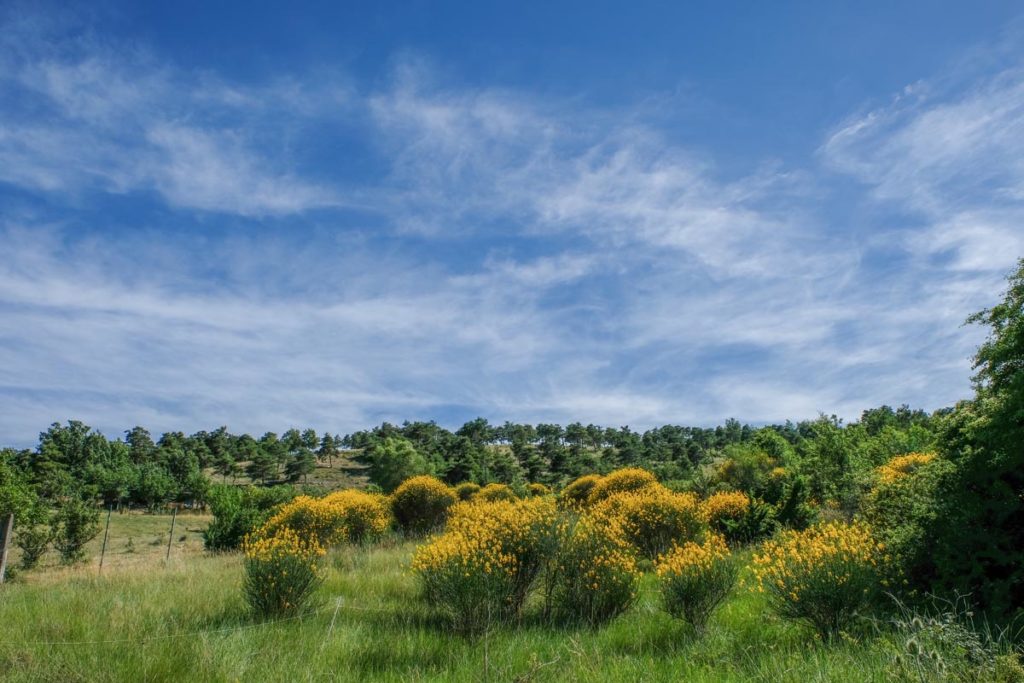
x,y
744,468
482,568
823,576
902,505
902,466
466,490
16,495
653,519
538,489
695,579
310,518
790,504
724,507
33,534
740,519
238,512
281,572
33,541
621,481
593,576
577,492
493,492
756,523
76,523
421,504
363,516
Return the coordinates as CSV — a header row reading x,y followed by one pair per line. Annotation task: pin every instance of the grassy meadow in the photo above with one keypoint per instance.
x,y
147,620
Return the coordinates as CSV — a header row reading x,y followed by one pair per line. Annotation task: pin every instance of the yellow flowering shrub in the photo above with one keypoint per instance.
x,y
621,481
482,568
696,578
726,505
420,504
310,518
364,516
466,490
493,492
538,489
824,575
902,465
593,575
577,492
281,571
653,518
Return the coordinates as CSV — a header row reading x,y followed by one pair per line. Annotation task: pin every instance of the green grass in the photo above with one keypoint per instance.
x,y
188,621
136,540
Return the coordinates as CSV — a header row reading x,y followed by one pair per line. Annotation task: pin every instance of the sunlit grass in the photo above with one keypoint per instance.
x,y
188,621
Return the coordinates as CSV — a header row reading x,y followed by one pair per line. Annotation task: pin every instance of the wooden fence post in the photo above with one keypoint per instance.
x,y
106,532
174,515
5,543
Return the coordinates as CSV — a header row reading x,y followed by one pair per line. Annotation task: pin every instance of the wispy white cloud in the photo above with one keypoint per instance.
x,y
952,155
531,258
94,116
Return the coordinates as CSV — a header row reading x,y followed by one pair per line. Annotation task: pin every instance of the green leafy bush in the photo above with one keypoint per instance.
x,y
33,538
902,508
76,523
238,511
757,522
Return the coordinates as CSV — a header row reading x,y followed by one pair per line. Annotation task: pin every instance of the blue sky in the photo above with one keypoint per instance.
x,y
638,213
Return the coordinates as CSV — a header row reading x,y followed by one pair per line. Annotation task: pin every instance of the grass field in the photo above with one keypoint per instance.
x,y
144,620
136,540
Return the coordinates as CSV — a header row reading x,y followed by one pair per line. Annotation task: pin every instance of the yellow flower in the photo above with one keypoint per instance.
x,y
902,465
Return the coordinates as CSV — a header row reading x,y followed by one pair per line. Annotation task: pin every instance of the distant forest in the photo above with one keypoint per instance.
x,y
73,460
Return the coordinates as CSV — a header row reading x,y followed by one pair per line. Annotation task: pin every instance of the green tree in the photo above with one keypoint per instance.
x,y
76,523
301,457
301,465
140,444
275,450
392,461
328,449
464,461
16,496
262,465
154,485
223,455
978,536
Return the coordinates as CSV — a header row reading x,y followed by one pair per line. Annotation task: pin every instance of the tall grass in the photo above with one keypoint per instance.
x,y
188,622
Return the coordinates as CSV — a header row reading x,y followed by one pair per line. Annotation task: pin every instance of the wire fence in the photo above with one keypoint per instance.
x,y
125,539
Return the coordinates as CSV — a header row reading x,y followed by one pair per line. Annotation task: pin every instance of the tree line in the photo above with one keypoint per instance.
x,y
74,460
